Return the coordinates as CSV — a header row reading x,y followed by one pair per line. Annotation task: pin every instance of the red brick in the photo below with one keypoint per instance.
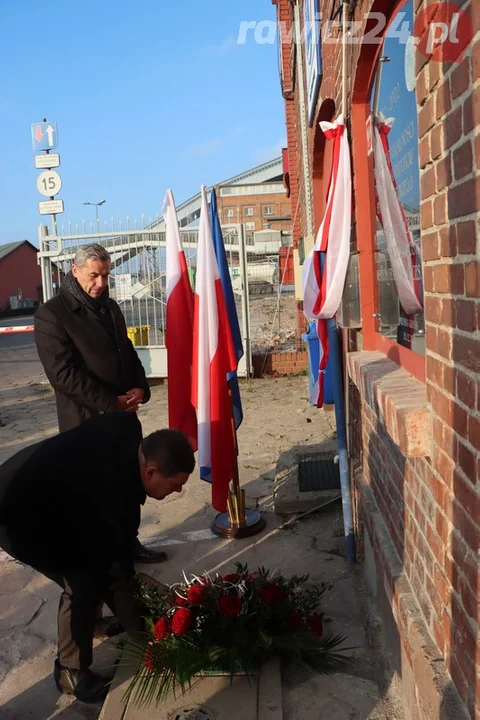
x,y
436,144
426,118
466,495
476,61
431,338
474,431
430,243
421,88
460,81
433,305
426,214
463,161
467,461
448,279
448,313
440,209
448,375
465,315
470,601
445,344
444,173
444,466
450,412
427,183
424,152
466,352
442,527
471,111
466,233
472,279
452,127
465,388
443,100
464,199
465,528
448,241
434,371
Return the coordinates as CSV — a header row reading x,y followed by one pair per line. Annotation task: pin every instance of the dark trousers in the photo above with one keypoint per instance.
x,y
77,612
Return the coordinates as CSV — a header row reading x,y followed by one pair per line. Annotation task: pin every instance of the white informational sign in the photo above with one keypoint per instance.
x,y
123,287
49,183
313,55
50,160
124,290
50,207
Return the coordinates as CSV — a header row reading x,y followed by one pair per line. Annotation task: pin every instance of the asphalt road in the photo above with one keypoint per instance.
x,y
13,340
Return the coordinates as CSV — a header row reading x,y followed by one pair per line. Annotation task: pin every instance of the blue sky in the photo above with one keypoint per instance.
x,y
147,95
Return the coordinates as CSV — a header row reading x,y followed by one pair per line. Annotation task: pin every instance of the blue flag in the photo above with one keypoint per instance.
x,y
229,296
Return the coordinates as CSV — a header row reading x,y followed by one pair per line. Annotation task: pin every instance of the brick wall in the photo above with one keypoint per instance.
x,y
286,363
449,117
19,269
428,506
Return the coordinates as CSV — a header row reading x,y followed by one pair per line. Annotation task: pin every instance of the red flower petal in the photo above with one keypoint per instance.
x,y
182,621
230,605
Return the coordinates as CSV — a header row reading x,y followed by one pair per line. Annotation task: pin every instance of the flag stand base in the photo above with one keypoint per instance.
x,y
254,524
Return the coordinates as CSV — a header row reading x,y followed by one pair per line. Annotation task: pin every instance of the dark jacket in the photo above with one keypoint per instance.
x,y
72,502
88,363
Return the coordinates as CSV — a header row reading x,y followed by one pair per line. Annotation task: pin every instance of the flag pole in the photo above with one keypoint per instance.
x,y
239,521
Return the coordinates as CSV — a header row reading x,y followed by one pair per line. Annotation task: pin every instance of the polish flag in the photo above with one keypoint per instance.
x,y
325,269
213,358
179,332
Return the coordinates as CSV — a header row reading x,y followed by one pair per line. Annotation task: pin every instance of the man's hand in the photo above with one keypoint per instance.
x,y
124,404
135,397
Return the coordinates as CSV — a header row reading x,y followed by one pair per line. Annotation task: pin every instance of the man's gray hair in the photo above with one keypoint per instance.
x,y
90,252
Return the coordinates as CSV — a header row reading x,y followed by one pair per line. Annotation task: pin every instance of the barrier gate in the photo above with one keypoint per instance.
x,y
138,282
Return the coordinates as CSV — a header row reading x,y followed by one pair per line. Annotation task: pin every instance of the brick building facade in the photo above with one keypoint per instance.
x,y
414,406
261,206
20,275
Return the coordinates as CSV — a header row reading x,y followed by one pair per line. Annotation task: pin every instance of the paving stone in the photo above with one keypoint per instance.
x,y
45,624
15,576
17,609
20,645
333,697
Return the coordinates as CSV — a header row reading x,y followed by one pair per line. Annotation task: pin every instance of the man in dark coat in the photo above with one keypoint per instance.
x,y
83,345
70,508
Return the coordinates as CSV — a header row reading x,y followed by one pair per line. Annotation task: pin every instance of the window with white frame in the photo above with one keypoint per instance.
x,y
268,210
229,213
249,226
249,212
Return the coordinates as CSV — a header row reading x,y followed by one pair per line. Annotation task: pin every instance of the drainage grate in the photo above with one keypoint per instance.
x,y
193,712
319,473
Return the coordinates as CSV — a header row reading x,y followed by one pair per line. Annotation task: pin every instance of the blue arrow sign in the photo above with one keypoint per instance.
x,y
44,136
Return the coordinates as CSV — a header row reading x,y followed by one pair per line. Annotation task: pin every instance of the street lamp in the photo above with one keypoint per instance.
x,y
97,205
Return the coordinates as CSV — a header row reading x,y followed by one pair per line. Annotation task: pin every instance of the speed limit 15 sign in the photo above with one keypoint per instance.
x,y
49,183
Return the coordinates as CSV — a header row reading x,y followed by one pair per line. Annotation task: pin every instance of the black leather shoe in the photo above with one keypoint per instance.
x,y
83,684
145,555
107,627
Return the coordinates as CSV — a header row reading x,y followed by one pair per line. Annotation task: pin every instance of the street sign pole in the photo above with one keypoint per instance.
x,y
45,137
49,184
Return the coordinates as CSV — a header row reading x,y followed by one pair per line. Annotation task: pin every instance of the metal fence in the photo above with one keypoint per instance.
x,y
260,266
138,280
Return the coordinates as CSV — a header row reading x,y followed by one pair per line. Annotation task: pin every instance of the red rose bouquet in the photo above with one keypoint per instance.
x,y
227,623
